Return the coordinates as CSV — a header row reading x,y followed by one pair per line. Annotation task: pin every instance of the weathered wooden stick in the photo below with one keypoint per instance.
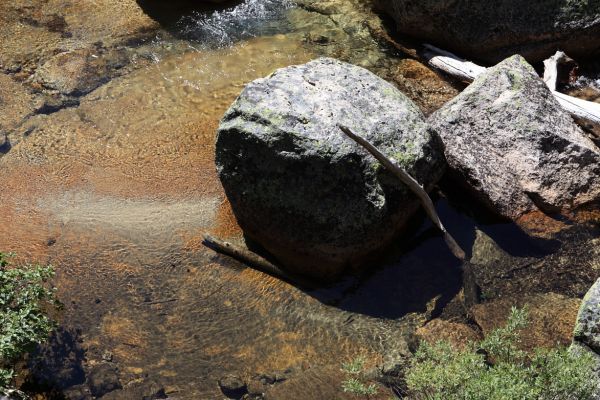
x,y
413,185
254,260
585,110
451,64
467,71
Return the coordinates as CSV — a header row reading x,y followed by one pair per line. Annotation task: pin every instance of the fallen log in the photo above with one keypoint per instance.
x,y
551,68
413,185
451,64
466,71
254,260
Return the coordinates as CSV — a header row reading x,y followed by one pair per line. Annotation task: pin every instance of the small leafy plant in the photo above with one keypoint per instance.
x,y
353,384
25,296
497,369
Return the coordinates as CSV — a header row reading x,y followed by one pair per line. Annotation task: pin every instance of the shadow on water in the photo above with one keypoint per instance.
x,y
57,364
420,275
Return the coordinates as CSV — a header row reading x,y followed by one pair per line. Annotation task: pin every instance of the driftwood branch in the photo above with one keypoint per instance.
x,y
451,64
551,69
413,185
455,66
253,260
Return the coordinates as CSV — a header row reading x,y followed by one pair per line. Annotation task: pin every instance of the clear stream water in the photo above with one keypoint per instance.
x,y
117,192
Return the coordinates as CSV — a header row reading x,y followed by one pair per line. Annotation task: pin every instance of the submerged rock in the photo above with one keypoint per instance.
x,y
78,72
233,387
511,143
103,379
491,31
304,191
550,318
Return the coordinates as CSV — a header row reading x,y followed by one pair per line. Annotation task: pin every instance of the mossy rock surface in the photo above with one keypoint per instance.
x,y
300,187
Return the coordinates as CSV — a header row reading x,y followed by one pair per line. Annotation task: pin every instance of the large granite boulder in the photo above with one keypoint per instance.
x,y
303,190
509,141
493,30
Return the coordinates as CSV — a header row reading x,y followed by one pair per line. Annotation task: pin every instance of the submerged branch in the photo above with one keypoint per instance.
x,y
254,260
413,185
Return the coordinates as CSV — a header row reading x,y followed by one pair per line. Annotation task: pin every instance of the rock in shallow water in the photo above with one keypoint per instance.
x,y
491,30
509,140
304,191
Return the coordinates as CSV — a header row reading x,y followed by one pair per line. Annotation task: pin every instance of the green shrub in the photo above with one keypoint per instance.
x,y
24,298
353,384
496,369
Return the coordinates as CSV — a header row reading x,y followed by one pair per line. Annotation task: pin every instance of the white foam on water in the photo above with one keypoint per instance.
x,y
222,28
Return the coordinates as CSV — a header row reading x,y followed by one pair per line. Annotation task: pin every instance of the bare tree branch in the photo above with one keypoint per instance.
x,y
254,260
413,185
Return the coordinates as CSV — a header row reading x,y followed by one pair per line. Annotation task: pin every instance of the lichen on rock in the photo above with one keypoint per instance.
x,y
304,191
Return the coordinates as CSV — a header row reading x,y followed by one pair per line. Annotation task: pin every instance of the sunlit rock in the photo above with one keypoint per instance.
x,y
508,140
304,191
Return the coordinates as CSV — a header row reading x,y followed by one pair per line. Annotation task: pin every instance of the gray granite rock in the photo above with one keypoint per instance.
x,y
587,327
492,30
303,190
509,141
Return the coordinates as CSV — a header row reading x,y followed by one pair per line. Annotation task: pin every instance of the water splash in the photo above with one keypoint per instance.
x,y
223,28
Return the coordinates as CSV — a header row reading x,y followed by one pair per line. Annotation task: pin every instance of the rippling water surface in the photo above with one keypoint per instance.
x,y
117,191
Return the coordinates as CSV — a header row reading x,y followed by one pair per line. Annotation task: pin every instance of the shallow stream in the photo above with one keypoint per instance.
x,y
116,193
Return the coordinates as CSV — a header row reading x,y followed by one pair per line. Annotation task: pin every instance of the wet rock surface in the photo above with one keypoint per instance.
x,y
78,72
491,31
33,31
573,266
301,189
508,140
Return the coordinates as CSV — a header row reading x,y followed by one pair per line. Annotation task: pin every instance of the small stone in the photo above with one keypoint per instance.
x,y
107,356
233,387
